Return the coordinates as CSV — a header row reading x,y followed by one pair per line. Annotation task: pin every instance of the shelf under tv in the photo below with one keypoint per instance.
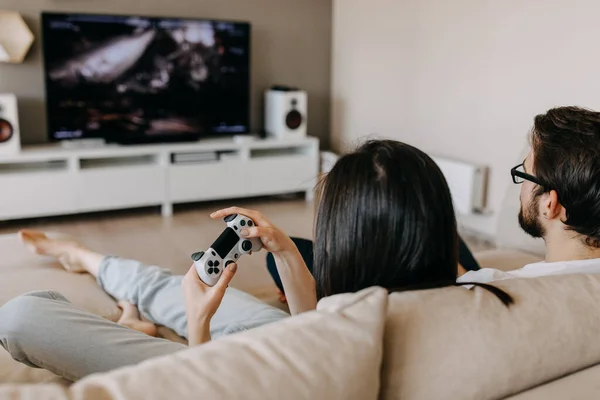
x,y
52,179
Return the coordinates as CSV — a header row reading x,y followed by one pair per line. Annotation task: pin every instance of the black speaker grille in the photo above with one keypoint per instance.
x,y
293,120
6,130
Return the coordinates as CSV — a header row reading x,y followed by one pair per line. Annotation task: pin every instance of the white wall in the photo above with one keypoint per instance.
x,y
461,78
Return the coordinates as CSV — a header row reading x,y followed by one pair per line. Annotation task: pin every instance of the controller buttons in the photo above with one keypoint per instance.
x,y
250,223
214,254
243,223
236,255
246,245
210,271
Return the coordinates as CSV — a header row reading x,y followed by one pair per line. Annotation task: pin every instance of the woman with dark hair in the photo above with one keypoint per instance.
x,y
406,208
385,218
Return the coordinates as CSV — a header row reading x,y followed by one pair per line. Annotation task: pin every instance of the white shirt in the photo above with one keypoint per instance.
x,y
484,275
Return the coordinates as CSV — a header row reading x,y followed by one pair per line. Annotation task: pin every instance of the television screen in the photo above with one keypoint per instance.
x,y
140,79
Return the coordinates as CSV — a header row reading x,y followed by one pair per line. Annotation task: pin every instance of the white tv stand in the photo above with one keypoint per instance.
x,y
54,180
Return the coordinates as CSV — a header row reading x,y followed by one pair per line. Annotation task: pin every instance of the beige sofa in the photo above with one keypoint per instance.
x,y
439,344
447,343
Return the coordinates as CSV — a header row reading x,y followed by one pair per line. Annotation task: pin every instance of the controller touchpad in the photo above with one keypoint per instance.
x,y
225,242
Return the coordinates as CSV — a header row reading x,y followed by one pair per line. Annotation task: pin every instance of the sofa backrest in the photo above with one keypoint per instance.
x,y
456,343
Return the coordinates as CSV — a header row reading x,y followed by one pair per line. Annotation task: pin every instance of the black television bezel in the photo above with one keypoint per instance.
x,y
142,139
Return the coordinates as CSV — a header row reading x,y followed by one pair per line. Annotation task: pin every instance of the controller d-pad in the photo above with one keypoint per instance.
x,y
230,217
210,271
216,264
246,245
217,270
210,263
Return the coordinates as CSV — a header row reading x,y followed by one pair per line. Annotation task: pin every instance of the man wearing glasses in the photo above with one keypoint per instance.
x,y
560,195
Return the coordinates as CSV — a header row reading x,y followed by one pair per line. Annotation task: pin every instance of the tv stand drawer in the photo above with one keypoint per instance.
x,y
119,187
36,194
206,181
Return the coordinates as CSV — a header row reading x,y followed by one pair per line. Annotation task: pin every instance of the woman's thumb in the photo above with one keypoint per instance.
x,y
227,276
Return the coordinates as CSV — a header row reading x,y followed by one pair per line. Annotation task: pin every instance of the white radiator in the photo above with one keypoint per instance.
x,y
468,184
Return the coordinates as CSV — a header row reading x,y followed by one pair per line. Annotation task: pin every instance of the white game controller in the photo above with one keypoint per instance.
x,y
227,249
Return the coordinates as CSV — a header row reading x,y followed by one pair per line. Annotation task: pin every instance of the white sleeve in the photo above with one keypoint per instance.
x,y
485,275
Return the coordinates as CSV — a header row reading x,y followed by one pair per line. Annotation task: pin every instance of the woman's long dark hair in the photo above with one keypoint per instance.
x,y
385,218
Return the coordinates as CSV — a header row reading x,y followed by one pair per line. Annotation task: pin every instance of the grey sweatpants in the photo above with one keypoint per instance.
x,y
44,330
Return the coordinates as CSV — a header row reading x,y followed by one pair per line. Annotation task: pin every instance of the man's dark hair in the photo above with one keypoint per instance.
x,y
566,146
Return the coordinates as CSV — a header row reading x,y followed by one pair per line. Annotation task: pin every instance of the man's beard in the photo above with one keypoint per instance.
x,y
529,219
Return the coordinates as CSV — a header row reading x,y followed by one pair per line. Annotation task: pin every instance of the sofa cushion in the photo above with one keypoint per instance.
x,y
22,272
465,344
332,353
33,392
580,385
12,371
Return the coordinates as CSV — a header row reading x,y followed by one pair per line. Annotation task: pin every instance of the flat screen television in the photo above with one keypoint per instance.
x,y
132,79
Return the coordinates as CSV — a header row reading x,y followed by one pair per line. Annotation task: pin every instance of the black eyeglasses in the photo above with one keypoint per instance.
x,y
519,175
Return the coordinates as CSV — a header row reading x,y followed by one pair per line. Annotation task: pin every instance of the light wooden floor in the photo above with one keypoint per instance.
x,y
145,235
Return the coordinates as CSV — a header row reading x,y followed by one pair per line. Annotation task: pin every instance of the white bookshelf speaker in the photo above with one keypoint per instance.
x,y
10,142
285,113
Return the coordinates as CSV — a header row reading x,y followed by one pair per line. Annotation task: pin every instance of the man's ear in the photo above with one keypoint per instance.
x,y
552,207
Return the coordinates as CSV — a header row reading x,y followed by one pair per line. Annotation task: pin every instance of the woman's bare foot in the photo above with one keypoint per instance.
x,y
131,319
64,250
72,255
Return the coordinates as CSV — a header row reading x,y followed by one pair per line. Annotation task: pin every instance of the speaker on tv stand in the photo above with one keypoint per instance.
x,y
10,141
285,112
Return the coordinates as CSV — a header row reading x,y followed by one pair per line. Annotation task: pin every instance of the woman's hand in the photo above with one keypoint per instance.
x,y
202,302
272,238
297,280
